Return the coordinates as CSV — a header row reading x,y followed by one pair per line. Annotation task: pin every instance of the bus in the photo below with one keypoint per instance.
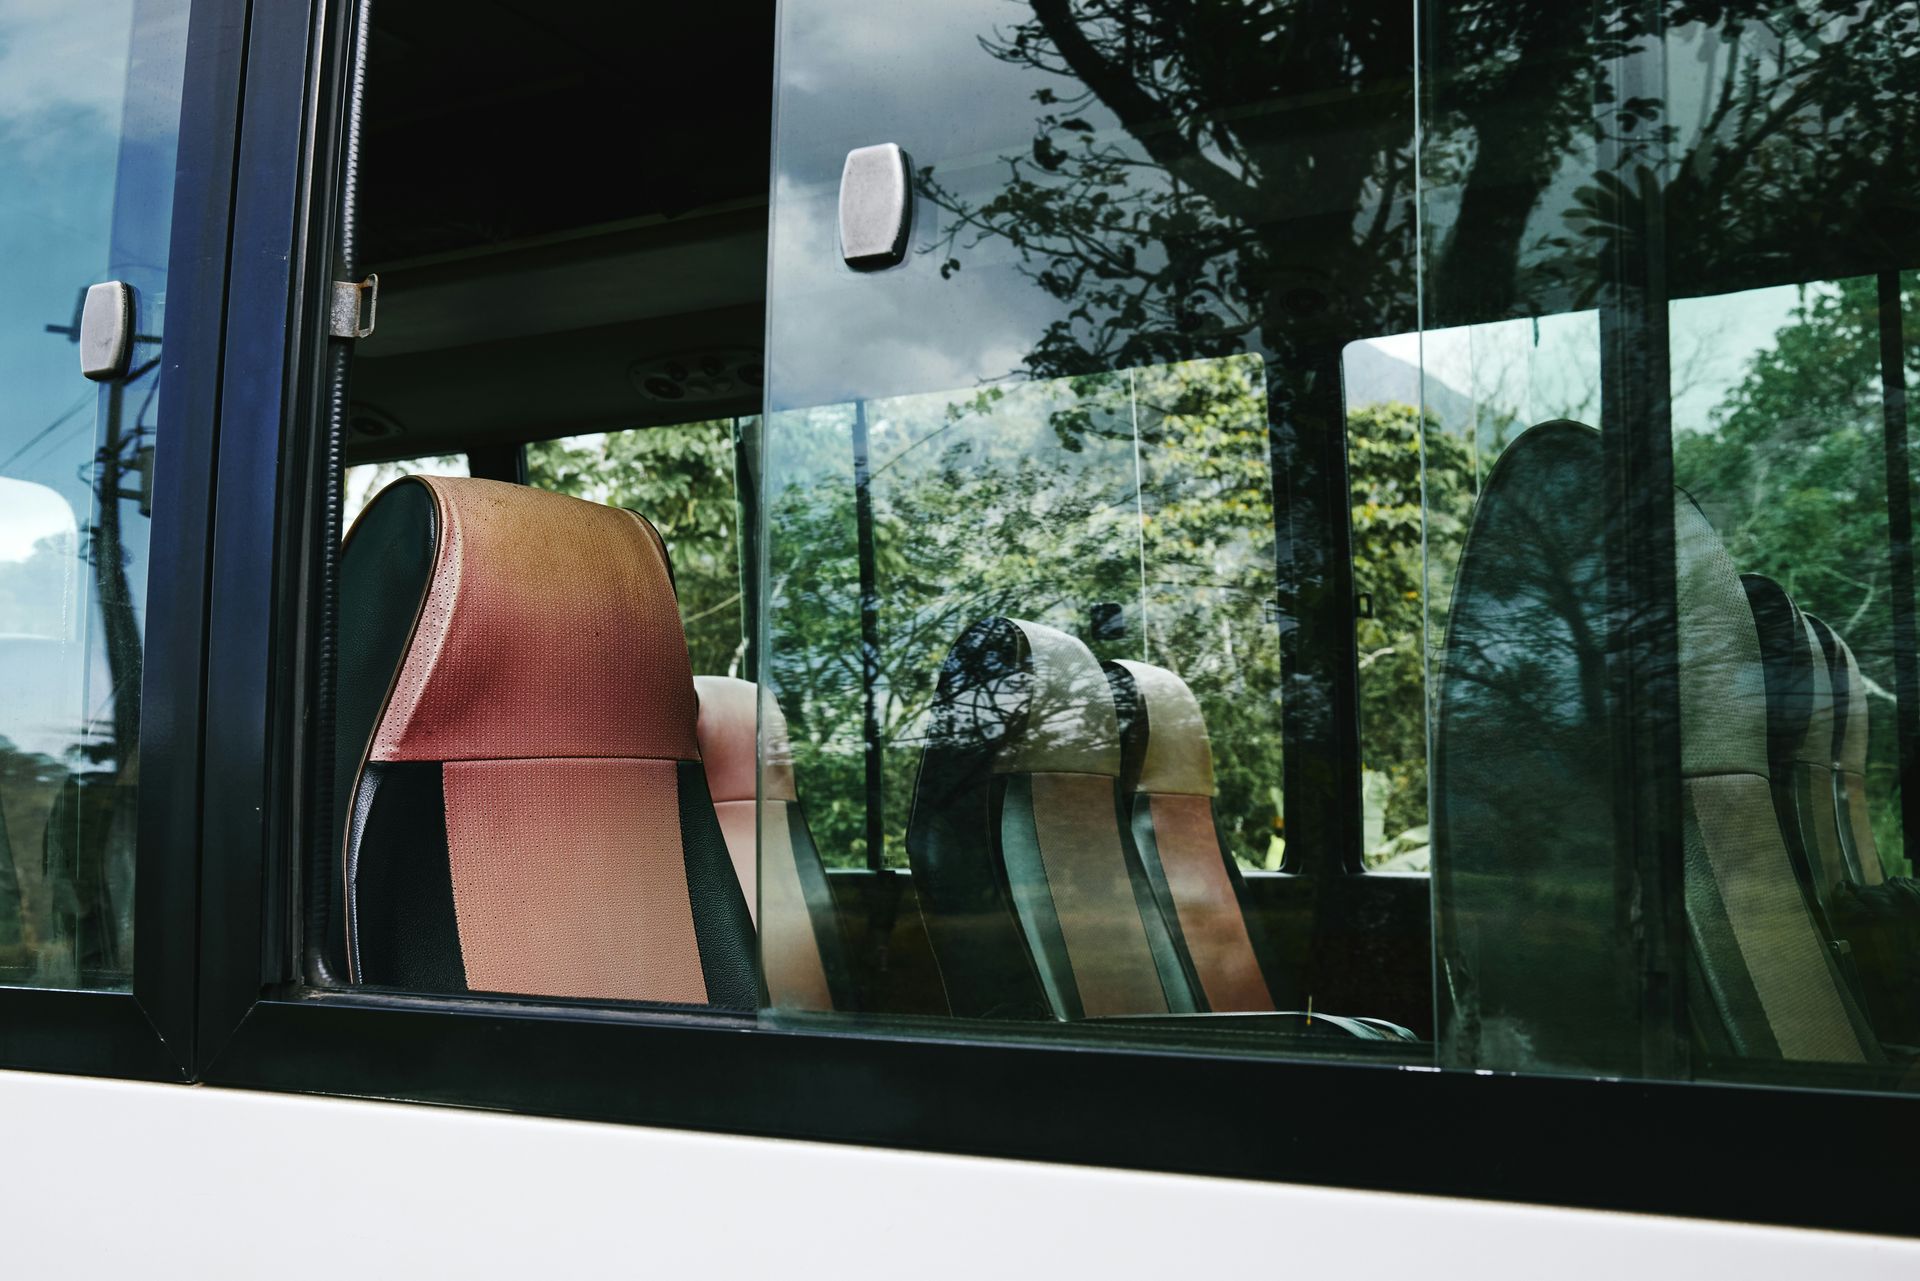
x,y
1036,636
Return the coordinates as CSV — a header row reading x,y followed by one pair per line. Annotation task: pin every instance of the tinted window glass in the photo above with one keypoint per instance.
x,y
1060,578
88,125
1521,505
1673,690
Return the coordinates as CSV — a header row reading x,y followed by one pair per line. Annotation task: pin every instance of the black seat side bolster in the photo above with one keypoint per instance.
x,y
723,928
400,886
978,945
953,832
386,567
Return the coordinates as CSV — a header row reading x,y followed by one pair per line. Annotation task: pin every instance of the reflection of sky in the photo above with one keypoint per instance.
x,y
87,144
1537,370
852,74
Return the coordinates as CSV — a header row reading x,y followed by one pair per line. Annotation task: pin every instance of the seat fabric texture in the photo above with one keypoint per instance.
x,y
521,805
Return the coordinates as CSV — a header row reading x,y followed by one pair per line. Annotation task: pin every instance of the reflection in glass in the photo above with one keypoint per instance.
x,y
1643,781
89,108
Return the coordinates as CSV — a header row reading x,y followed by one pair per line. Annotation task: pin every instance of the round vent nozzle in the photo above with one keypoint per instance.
x,y
697,376
364,422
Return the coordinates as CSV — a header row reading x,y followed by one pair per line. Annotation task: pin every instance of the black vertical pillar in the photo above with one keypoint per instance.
x,y
1642,608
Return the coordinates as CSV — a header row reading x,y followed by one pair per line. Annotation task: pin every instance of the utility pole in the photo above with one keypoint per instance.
x,y
119,451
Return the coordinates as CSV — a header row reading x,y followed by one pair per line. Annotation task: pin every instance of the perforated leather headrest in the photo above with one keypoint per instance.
x,y
1033,695
550,629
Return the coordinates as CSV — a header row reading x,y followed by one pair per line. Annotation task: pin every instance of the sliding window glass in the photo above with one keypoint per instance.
x,y
1059,696
1671,645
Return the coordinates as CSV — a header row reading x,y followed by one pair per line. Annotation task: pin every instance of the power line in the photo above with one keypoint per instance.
x,y
86,398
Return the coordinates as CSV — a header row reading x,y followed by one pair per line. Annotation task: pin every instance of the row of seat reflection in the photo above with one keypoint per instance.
x,y
1545,783
539,797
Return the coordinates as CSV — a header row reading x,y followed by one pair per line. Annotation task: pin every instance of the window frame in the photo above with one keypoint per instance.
x,y
1759,1153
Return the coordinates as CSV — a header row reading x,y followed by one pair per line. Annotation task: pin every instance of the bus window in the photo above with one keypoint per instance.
x,y
569,362
88,133
1670,650
1059,580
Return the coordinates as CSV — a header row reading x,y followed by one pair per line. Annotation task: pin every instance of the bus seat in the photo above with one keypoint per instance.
x,y
1527,852
1034,897
522,806
802,955
1166,787
1851,725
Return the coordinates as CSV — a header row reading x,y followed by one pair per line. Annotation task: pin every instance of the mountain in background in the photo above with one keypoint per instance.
x,y
1374,377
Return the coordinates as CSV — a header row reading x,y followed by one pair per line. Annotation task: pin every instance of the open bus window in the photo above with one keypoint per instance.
x,y
517,798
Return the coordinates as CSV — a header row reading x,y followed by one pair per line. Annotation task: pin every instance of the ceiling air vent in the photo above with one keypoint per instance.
x,y
697,377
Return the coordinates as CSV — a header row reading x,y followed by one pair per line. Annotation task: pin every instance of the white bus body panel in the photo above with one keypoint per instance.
x,y
108,1179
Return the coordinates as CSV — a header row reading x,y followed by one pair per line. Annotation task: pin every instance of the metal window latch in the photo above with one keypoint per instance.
x,y
353,307
876,207
106,331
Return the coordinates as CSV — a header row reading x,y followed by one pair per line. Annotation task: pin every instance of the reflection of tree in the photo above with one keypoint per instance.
x,y
1210,178
1209,217
982,510
1412,490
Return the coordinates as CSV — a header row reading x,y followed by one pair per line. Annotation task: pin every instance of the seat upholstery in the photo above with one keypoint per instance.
x,y
1527,844
802,953
1035,898
522,804
1859,851
1166,788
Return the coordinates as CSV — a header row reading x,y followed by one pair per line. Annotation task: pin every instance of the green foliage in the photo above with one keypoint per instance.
x,y
1412,496
681,479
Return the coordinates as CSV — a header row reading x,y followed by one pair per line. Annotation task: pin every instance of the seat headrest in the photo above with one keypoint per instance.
x,y
727,741
1032,695
549,629
1165,749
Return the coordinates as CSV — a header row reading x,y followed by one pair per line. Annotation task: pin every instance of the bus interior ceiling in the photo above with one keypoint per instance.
x,y
570,229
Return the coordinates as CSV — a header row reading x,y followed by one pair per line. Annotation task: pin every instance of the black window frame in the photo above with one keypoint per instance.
x,y
229,645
